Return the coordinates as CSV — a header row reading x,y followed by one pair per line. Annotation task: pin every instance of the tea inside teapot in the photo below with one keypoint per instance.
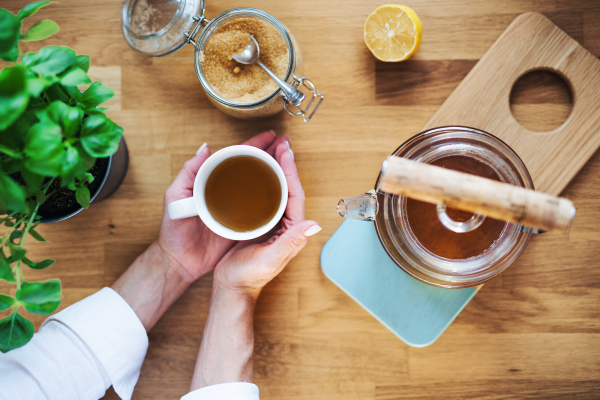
x,y
455,206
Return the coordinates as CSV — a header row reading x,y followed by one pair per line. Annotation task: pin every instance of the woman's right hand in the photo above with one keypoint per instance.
x,y
248,266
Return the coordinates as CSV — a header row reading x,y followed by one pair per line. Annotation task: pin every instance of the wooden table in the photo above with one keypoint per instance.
x,y
532,332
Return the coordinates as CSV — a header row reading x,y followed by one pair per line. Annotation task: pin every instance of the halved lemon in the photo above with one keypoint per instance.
x,y
393,32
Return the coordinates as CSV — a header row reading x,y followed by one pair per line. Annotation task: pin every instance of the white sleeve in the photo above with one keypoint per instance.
x,y
79,353
225,391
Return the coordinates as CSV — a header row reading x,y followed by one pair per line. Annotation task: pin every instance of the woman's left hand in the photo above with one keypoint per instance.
x,y
194,247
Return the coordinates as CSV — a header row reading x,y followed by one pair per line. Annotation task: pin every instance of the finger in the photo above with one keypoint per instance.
x,y
293,240
184,181
262,140
295,206
276,142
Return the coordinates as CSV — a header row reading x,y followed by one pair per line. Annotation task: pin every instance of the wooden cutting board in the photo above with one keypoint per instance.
x,y
482,99
353,258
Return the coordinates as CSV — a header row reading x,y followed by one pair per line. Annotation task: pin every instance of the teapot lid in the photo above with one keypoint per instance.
x,y
158,27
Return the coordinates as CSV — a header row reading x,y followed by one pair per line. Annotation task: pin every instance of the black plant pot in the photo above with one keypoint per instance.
x,y
111,173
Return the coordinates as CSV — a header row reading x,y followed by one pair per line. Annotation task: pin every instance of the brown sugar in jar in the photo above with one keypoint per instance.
x,y
240,83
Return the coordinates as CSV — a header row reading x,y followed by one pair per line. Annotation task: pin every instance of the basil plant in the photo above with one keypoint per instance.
x,y
50,132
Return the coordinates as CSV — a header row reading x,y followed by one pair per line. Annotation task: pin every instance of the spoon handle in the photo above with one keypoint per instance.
x,y
475,194
294,96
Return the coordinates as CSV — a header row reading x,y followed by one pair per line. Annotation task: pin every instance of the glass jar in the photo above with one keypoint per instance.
x,y
392,217
147,29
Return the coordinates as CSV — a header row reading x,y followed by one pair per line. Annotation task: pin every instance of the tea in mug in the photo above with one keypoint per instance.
x,y
243,193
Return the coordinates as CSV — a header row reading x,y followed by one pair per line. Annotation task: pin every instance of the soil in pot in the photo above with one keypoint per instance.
x,y
63,201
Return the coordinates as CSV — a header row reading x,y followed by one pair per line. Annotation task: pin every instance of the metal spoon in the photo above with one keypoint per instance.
x,y
251,55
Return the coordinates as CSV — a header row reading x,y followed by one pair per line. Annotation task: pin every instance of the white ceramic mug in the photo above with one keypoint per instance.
x,y
196,205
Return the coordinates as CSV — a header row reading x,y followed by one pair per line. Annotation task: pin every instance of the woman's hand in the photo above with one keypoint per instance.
x,y
194,247
250,265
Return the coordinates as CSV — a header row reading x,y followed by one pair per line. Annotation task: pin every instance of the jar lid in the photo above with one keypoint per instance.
x,y
158,27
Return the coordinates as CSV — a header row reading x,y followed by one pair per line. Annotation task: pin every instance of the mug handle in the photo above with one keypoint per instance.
x,y
184,208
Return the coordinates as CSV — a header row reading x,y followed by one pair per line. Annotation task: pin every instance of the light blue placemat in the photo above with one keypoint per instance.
x,y
417,313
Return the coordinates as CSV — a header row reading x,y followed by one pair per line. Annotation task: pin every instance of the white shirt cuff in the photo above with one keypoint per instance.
x,y
225,391
113,333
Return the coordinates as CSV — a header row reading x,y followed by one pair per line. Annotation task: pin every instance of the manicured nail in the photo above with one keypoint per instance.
x,y
287,144
201,148
313,230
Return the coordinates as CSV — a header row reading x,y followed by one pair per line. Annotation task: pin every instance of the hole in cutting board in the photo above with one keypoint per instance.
x,y
541,101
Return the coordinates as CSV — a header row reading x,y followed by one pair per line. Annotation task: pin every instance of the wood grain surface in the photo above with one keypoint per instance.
x,y
533,332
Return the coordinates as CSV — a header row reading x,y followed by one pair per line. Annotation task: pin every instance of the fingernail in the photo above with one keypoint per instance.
x,y
313,230
201,148
287,144
273,132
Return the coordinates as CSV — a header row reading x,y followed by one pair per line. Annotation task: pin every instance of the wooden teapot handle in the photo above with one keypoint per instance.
x,y
475,194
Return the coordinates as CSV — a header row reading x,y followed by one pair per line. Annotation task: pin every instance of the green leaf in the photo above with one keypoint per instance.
x,y
57,92
12,195
83,62
35,85
13,95
95,110
15,235
89,177
100,136
73,92
86,162
10,152
71,160
14,135
33,180
6,302
40,264
16,253
82,194
75,76
41,298
96,94
35,234
6,272
68,118
10,32
43,145
50,60
31,9
40,31
15,332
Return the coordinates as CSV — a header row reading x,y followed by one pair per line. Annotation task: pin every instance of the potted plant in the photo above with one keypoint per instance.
x,y
58,152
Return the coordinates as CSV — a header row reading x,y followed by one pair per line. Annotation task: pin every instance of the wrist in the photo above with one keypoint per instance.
x,y
151,284
228,340
246,296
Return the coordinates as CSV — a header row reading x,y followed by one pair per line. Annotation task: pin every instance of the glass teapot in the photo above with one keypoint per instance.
x,y
161,27
441,246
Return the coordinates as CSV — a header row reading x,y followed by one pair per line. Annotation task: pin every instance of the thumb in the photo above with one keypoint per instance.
x,y
293,239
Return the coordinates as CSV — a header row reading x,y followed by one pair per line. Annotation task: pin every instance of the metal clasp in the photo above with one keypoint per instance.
x,y
304,112
200,22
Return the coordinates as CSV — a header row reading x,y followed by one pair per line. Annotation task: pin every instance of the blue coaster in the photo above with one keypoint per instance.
x,y
417,313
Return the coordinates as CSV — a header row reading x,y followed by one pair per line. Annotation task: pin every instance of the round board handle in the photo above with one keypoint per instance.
x,y
475,194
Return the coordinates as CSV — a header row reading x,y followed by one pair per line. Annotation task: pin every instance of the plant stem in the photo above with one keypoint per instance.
x,y
11,230
19,273
22,242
